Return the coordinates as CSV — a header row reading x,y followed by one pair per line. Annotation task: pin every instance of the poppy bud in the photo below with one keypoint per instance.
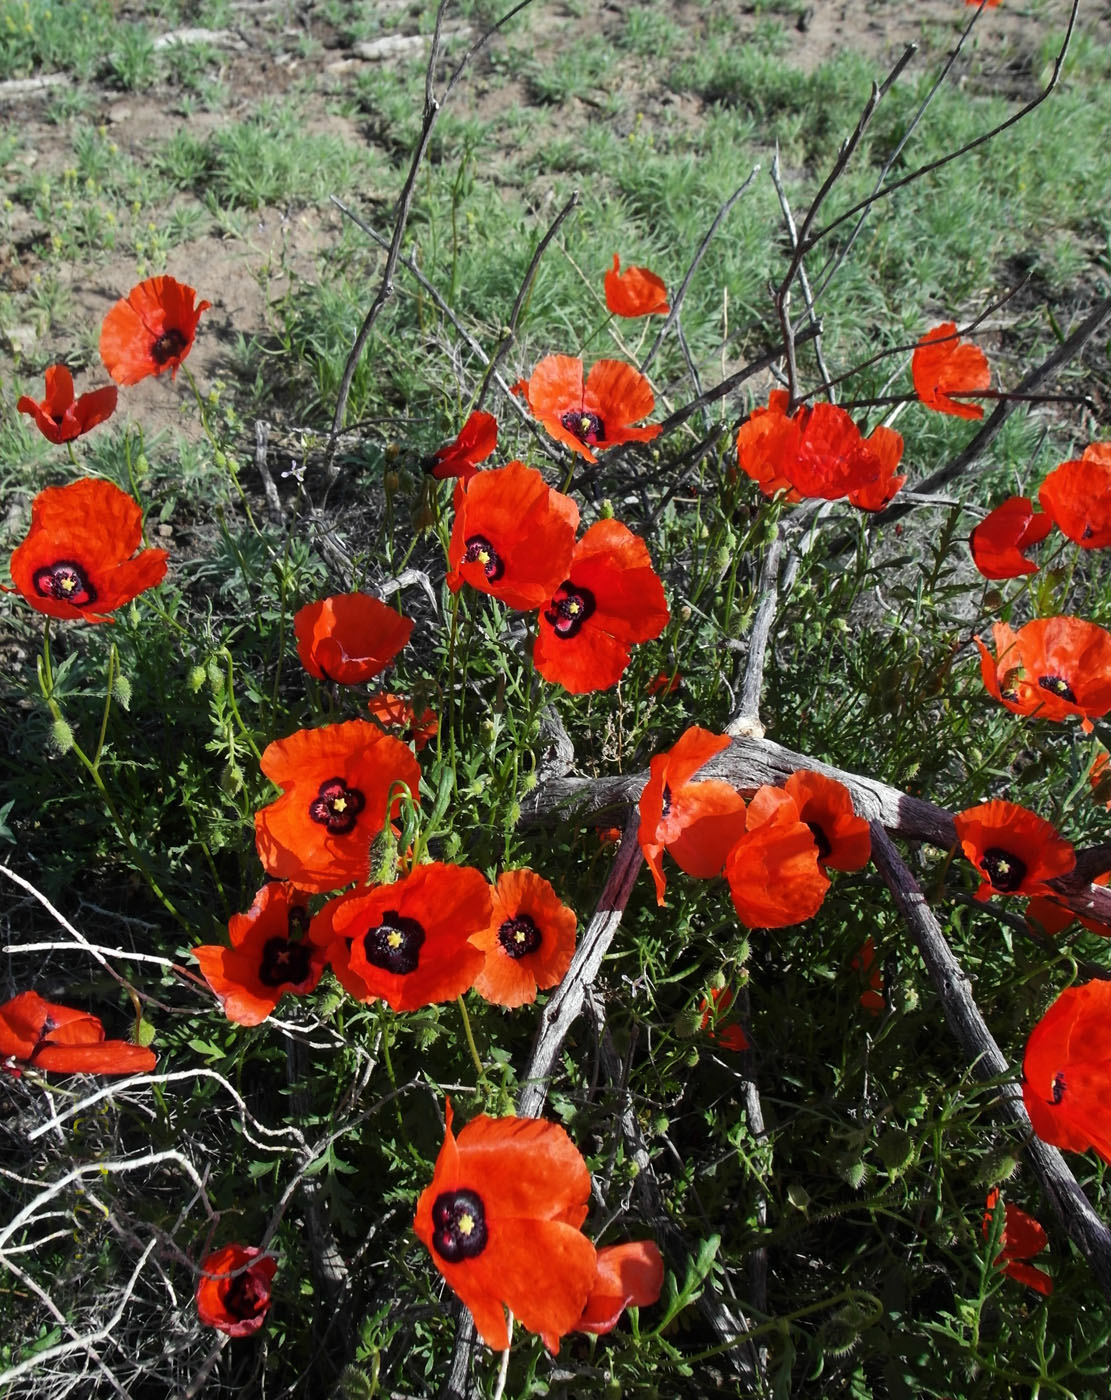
x,y
61,737
196,678
121,690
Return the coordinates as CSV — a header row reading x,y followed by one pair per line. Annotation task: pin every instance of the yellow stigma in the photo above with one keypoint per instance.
x,y
393,938
466,1224
584,424
340,804
68,585
574,606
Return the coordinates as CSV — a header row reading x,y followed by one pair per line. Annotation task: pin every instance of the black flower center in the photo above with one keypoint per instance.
x,y
481,551
168,346
821,840
283,961
458,1225
67,581
337,806
519,936
1005,871
587,427
395,944
665,801
246,1296
569,609
1057,685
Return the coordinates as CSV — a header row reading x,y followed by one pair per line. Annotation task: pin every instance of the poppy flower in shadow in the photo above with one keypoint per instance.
x,y
43,1035
629,1276
942,365
773,871
698,823
528,943
714,1009
1014,850
392,712
1052,668
1000,541
664,683
269,956
409,943
233,1294
512,536
1067,1070
336,782
76,561
349,638
1077,497
826,806
1050,916
1099,776
635,292
864,962
610,598
59,416
501,1220
476,441
151,330
592,416
1022,1238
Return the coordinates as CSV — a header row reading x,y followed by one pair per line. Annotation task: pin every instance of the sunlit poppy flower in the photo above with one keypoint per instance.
x,y
698,823
1099,775
629,1276
772,870
151,330
408,943
635,292
886,445
1077,496
1022,1238
395,714
714,1010
1050,916
528,943
864,962
826,806
476,441
512,536
269,956
231,1296
59,416
610,598
349,638
1000,541
664,683
43,1035
591,416
1067,1069
76,561
1014,850
501,1220
1053,668
943,365
336,782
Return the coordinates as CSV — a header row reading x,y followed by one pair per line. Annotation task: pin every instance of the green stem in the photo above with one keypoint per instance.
x,y
113,667
246,733
471,1046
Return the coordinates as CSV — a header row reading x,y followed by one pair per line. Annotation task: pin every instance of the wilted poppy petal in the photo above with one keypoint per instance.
x,y
1023,1237
629,1276
61,418
233,1298
48,1036
476,441
943,365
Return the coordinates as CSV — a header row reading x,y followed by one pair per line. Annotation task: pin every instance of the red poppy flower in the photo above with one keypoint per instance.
x,y
943,365
60,417
818,452
773,871
528,943
392,712
629,1276
512,536
1000,541
596,415
336,784
151,330
232,1297
1099,775
76,561
1049,916
864,962
1077,497
47,1036
697,822
501,1220
610,598
268,956
713,1010
409,943
843,839
476,441
609,835
349,638
1014,850
1053,667
664,683
991,4
1022,1238
635,292
1067,1069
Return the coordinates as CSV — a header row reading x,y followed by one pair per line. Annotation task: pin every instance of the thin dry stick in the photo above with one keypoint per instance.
x,y
804,281
1085,1228
746,719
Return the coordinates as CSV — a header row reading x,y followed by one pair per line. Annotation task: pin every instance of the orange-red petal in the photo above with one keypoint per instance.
x,y
943,365
629,1276
1077,497
1000,541
635,292
349,638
